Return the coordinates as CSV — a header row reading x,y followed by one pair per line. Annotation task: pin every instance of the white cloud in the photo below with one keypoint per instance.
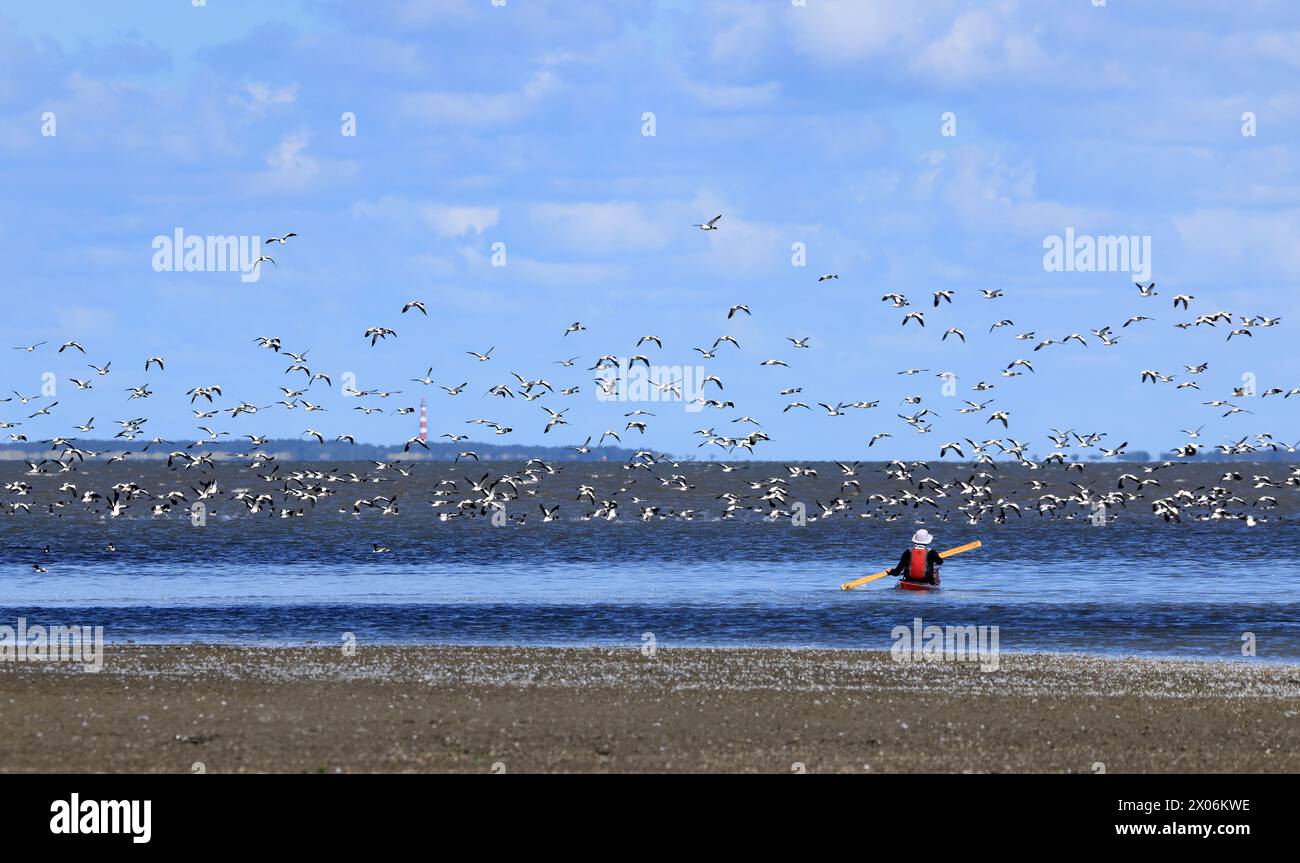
x,y
600,227
448,221
444,220
1281,46
979,43
734,96
1261,244
260,98
990,193
741,36
85,321
480,110
289,164
936,39
843,31
741,248
523,270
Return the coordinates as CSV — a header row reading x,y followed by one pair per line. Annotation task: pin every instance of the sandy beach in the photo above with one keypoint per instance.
x,y
516,710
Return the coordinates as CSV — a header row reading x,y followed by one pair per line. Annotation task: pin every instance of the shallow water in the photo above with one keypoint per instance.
x,y
1137,585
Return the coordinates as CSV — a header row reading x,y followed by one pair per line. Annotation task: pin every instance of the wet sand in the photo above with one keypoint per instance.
x,y
516,710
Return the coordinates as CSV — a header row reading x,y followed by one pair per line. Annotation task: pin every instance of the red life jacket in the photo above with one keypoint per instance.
x,y
916,568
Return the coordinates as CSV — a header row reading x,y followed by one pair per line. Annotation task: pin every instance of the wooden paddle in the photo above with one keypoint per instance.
x,y
858,582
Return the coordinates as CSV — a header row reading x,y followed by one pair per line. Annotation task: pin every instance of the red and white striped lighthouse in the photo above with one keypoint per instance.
x,y
424,423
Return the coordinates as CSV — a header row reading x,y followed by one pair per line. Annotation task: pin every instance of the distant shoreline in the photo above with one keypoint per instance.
x,y
284,449
405,645
288,450
185,709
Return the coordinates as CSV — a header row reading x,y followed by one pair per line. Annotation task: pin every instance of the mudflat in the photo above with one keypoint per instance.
x,y
229,709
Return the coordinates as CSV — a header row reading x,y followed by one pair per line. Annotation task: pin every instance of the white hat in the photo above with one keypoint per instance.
x,y
922,537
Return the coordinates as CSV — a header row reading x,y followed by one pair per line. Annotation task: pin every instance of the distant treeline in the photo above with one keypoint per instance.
x,y
1205,455
286,449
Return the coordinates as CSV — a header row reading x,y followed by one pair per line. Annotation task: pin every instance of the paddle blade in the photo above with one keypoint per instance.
x,y
959,549
858,582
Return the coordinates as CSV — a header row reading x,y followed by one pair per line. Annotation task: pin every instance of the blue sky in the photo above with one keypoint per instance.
x,y
522,124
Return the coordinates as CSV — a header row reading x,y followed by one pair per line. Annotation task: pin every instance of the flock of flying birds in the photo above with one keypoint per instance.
x,y
1001,480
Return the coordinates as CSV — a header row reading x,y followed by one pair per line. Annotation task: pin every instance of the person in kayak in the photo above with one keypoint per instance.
x,y
919,563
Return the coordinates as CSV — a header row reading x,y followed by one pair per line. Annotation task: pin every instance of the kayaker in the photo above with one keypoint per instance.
x,y
920,562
